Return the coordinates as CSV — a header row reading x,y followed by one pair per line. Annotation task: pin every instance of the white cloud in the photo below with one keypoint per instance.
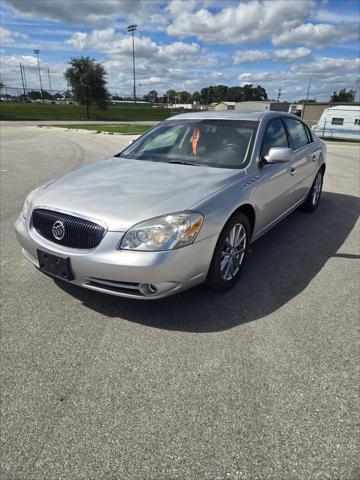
x,y
246,22
248,56
116,45
327,74
283,55
84,12
318,35
176,64
7,37
333,17
288,55
327,66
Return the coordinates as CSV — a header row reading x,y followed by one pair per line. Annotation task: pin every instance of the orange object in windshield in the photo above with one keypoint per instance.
x,y
195,139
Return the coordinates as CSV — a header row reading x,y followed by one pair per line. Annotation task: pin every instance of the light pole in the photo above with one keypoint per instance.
x,y
36,52
308,90
132,29
49,81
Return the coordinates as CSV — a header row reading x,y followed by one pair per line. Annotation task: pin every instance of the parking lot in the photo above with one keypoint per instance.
x,y
258,383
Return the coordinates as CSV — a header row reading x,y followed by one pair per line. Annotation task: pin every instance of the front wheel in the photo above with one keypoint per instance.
x,y
229,253
312,201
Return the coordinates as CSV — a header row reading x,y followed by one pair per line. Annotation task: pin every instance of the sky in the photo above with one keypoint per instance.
x,y
188,44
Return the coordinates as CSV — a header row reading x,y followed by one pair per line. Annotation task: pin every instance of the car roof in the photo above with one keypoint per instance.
x,y
230,115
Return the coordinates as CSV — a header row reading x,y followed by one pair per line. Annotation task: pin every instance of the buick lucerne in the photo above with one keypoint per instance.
x,y
179,206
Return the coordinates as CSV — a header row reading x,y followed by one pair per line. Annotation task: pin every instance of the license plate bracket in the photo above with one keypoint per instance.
x,y
54,265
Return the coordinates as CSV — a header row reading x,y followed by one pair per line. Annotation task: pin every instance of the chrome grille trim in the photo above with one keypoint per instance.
x,y
80,233
114,286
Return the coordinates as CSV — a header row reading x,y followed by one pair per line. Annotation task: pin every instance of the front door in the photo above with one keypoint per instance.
x,y
275,187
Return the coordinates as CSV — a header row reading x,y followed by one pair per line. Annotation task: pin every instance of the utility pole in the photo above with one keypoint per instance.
x,y
49,80
132,29
356,89
22,81
279,94
36,52
308,90
25,82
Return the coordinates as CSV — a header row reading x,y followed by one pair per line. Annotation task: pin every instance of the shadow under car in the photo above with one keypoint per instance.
x,y
279,266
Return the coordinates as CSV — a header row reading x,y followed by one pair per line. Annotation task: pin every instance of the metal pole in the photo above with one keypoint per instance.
x,y
356,89
38,61
133,45
308,90
132,28
26,88
49,80
22,81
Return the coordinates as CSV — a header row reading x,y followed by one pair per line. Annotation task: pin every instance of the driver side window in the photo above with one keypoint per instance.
x,y
275,136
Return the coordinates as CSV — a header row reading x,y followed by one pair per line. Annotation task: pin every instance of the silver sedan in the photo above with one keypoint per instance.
x,y
177,207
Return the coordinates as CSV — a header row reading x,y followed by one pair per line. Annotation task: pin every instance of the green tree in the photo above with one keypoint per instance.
x,y
171,96
34,94
196,97
184,96
88,83
222,93
344,95
151,96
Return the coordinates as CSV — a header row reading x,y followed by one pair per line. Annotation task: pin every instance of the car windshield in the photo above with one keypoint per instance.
x,y
212,143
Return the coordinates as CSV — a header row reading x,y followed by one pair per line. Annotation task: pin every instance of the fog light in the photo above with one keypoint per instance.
x,y
147,289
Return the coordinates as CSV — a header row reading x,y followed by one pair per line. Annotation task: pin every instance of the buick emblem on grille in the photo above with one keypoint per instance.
x,y
58,230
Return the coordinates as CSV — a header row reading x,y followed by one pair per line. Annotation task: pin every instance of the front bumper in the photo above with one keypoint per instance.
x,y
143,275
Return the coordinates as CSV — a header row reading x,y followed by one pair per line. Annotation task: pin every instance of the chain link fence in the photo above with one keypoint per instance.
x,y
29,95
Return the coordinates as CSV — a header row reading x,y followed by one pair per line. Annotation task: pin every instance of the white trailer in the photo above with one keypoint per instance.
x,y
341,122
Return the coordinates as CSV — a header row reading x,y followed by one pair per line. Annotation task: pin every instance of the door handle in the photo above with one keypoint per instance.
x,y
313,156
292,171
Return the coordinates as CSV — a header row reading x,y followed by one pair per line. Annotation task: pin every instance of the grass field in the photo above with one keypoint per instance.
x,y
38,111
125,129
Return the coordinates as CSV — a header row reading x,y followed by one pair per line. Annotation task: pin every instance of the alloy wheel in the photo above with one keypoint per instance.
x,y
233,252
316,190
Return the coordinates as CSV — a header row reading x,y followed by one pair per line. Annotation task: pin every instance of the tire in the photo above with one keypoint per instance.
x,y
228,258
312,201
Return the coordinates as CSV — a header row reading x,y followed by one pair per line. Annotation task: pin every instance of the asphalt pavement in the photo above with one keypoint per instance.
x,y
258,383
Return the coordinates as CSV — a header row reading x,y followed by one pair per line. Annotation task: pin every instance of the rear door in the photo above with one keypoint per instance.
x,y
305,158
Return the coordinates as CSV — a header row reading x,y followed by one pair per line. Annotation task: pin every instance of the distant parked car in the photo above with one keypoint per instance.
x,y
177,207
341,122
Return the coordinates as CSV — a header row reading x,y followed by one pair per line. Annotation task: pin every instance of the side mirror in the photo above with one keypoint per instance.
x,y
279,155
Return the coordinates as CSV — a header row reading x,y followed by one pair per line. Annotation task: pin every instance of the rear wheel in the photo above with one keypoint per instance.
x,y
312,201
230,253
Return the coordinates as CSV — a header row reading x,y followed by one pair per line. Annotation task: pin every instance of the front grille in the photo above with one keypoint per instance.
x,y
79,233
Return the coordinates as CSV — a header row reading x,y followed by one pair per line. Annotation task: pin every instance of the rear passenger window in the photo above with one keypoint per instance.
x,y
337,121
275,136
298,135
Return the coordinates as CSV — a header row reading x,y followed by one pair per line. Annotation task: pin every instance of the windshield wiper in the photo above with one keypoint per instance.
x,y
180,162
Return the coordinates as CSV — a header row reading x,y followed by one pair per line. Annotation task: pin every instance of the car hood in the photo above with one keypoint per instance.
x,y
122,192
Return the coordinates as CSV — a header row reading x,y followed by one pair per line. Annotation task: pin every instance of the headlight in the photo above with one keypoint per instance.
x,y
27,203
163,233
